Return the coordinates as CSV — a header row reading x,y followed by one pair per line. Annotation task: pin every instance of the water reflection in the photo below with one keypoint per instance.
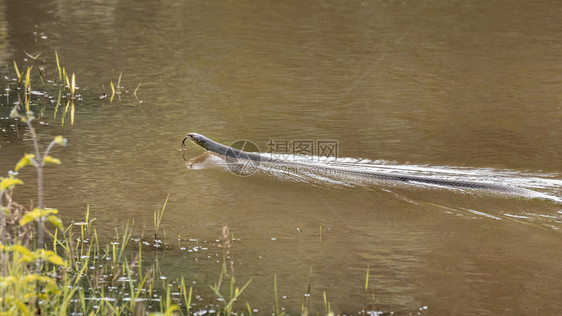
x,y
4,49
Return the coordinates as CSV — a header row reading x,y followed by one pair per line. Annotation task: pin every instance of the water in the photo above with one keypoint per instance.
x,y
459,87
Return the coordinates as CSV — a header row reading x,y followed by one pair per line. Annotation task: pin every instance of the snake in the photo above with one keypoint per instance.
x,y
256,158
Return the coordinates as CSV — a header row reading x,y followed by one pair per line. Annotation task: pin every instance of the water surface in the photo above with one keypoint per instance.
x,y
457,86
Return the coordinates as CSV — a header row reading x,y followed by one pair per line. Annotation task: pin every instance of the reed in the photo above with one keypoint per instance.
x,y
158,215
40,68
277,310
118,90
367,279
64,85
135,92
112,92
59,71
234,292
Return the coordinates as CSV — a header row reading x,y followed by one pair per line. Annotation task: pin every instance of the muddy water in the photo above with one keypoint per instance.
x,y
471,87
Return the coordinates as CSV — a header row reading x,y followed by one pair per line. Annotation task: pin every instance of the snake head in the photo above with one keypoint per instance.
x,y
194,137
198,139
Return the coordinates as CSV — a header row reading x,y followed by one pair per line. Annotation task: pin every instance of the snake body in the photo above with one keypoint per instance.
x,y
241,156
220,149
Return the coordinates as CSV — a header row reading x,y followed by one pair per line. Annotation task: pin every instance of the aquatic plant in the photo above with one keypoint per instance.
x,y
276,296
118,90
158,215
38,160
234,292
62,85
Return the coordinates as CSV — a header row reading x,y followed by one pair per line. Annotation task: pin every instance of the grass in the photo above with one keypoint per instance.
x,y
118,90
233,292
62,85
158,215
277,310
74,273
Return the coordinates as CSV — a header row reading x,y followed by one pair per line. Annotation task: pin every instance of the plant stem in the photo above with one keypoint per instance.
x,y
40,202
39,164
2,234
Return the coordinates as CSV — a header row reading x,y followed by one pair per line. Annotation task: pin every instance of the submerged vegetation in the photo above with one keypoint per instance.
x,y
48,268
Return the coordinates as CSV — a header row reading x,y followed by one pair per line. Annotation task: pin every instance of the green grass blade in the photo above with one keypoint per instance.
x,y
17,71
367,279
112,92
58,66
